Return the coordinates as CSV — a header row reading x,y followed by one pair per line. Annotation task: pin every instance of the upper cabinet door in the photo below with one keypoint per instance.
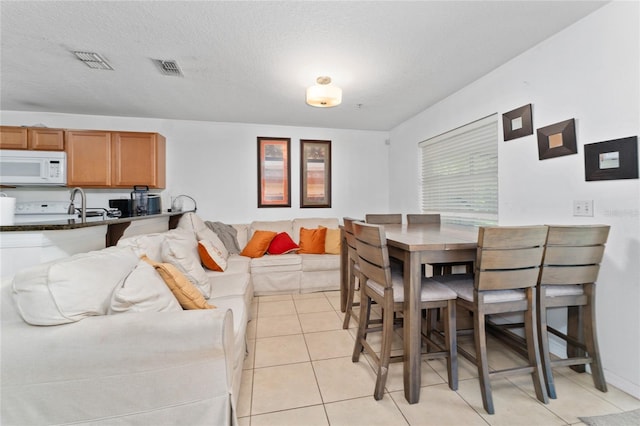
x,y
138,159
45,139
13,137
88,158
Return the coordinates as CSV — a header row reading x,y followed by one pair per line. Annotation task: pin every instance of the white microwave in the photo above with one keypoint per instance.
x,y
35,168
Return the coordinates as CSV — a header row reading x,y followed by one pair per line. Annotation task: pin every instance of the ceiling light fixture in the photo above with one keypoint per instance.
x,y
323,94
93,60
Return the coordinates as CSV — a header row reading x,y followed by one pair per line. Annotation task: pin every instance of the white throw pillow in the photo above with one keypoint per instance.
x,y
180,248
193,222
143,290
211,256
70,289
149,244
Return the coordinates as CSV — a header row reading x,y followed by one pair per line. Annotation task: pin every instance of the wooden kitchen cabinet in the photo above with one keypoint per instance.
x,y
104,159
138,159
88,158
31,138
45,139
13,137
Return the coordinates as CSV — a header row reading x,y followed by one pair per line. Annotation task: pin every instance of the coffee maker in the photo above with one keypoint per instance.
x,y
140,200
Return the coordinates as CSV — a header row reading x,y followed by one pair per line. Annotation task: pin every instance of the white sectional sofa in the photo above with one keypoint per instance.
x,y
292,273
97,338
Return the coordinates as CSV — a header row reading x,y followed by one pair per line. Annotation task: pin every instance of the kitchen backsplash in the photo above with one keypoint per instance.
x,y
96,198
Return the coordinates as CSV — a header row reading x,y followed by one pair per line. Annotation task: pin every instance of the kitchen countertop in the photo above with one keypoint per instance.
x,y
77,223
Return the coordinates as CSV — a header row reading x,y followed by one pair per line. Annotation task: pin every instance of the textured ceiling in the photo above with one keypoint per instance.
x,y
251,61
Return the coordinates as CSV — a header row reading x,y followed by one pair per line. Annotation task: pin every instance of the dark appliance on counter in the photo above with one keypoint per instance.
x,y
122,204
141,203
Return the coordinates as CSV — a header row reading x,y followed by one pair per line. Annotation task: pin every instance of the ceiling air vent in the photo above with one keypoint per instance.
x,y
168,67
93,60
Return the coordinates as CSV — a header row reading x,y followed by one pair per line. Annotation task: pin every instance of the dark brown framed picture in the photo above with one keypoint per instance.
x,y
614,159
517,123
315,173
557,140
274,172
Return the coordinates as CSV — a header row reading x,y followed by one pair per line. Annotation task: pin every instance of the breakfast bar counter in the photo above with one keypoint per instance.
x,y
115,226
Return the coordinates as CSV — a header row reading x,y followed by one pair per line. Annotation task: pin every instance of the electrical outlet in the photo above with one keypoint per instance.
x,y
583,208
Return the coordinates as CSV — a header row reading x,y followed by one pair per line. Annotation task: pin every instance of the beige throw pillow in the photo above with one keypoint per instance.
x,y
187,294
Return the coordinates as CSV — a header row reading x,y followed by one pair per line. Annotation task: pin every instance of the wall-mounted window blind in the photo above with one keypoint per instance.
x,y
460,173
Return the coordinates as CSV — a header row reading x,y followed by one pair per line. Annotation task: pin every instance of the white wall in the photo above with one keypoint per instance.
x,y
216,163
589,72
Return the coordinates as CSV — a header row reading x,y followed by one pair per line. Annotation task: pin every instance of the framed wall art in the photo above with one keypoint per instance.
x,y
557,140
274,172
517,123
614,159
315,173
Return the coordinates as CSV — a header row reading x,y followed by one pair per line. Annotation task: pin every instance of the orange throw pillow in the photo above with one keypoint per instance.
x,y
258,244
312,240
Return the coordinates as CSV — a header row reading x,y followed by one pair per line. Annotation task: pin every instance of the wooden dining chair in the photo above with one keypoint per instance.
x,y
385,287
384,219
353,271
437,268
506,274
568,279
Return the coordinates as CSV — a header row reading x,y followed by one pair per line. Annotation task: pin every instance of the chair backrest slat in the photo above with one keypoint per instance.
x,y
577,235
425,218
509,257
348,232
384,219
563,274
373,254
504,279
573,254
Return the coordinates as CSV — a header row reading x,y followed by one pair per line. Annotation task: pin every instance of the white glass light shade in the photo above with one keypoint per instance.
x,y
324,96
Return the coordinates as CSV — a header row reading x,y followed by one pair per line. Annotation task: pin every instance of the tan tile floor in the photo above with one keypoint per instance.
x,y
299,372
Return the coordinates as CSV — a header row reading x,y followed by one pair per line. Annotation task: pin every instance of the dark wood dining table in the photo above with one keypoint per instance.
x,y
415,245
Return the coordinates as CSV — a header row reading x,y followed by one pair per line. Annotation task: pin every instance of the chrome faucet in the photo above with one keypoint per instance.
x,y
72,207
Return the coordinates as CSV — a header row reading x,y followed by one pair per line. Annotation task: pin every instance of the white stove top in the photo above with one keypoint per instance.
x,y
42,211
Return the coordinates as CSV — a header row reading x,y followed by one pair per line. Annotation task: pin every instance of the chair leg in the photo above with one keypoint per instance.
x,y
574,319
385,353
533,350
482,362
363,323
543,337
591,339
451,343
350,293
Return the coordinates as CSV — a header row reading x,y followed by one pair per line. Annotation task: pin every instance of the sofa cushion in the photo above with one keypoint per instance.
x,y
242,234
149,244
311,223
143,290
258,244
290,259
180,248
188,295
70,289
312,241
211,256
276,226
236,264
282,244
320,262
332,241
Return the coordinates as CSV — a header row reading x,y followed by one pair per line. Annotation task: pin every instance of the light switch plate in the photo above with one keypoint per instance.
x,y
583,208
